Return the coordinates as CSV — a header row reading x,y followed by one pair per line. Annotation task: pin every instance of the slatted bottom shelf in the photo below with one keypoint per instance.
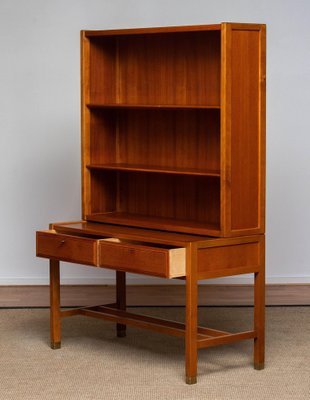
x,y
206,337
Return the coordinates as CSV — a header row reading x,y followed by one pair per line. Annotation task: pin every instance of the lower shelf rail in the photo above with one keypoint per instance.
x,y
206,337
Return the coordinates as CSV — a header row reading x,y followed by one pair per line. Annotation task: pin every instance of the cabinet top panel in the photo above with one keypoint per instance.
x,y
169,29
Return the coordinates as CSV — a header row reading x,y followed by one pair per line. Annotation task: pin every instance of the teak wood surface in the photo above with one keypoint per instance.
x,y
173,117
204,257
173,171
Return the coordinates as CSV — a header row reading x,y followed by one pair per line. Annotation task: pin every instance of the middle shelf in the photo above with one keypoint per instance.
x,y
140,106
154,169
182,142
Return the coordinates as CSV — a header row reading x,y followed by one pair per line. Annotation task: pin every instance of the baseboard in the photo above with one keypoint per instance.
x,y
154,295
132,279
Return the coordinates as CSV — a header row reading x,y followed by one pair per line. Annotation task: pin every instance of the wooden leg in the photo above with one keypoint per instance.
x,y
55,305
121,300
259,313
191,315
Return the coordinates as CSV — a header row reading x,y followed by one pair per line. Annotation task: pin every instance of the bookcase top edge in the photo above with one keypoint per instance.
x,y
172,29
141,31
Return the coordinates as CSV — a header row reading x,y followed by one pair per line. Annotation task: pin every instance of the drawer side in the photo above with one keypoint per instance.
x,y
231,258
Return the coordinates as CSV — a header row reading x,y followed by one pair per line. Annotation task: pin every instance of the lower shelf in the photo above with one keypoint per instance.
x,y
167,224
206,337
155,169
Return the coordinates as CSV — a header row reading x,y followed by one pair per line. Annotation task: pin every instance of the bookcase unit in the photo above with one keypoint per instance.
x,y
173,170
169,141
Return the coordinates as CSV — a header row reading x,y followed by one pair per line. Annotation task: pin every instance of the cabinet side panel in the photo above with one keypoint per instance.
x,y
229,260
245,129
85,124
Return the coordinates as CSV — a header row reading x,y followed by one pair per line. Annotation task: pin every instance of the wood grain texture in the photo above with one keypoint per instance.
x,y
167,196
180,139
173,139
154,169
228,257
225,133
102,64
259,311
67,248
147,104
153,30
55,321
262,128
185,139
104,192
140,106
136,258
151,222
225,339
85,125
128,233
185,70
191,315
243,131
246,145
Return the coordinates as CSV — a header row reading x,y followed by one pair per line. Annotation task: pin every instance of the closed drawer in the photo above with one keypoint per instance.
x,y
69,248
136,257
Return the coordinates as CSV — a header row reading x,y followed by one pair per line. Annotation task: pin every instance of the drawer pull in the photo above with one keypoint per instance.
x,y
62,242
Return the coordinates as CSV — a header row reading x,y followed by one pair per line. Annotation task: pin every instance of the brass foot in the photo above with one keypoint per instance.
x,y
259,366
55,345
190,380
121,333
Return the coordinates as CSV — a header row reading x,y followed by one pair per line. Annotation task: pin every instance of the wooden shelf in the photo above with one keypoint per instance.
x,y
167,224
153,169
153,106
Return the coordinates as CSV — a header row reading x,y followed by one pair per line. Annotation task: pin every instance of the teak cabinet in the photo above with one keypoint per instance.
x,y
173,170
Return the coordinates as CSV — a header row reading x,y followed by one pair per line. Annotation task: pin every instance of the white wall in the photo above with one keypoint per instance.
x,y
40,121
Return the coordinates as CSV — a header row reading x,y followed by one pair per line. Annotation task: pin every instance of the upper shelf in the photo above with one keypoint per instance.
x,y
154,169
153,106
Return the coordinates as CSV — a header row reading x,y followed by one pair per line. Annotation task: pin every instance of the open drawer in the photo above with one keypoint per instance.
x,y
123,255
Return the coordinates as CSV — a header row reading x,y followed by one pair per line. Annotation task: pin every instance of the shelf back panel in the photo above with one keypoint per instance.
x,y
171,68
103,193
103,142
183,139
164,138
102,67
178,197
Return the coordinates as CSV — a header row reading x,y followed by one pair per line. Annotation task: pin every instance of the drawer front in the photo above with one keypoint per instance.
x,y
166,263
67,248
